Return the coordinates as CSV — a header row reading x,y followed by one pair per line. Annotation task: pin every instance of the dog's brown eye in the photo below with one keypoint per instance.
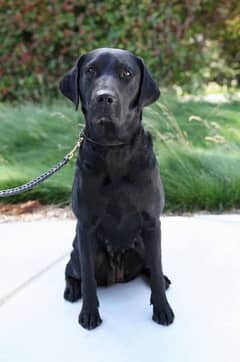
x,y
125,73
91,69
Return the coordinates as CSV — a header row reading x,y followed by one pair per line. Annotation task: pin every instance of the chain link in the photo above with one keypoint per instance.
x,y
33,183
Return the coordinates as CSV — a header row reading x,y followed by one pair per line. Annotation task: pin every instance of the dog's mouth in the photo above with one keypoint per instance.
x,y
104,120
107,129
103,127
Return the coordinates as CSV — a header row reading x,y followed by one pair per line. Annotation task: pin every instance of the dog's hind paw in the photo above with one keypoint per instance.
x,y
89,320
167,282
163,314
72,290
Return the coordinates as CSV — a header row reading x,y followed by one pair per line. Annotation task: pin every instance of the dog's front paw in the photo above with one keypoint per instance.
x,y
72,290
89,320
163,314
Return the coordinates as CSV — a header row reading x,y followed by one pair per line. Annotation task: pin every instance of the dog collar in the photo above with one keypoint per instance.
x,y
88,139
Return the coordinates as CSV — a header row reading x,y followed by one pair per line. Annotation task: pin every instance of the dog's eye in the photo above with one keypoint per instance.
x,y
91,69
125,73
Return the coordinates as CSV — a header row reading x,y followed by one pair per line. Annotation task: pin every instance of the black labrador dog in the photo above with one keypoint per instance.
x,y
117,193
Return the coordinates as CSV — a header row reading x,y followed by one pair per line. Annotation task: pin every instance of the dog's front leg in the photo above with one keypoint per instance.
x,y
162,312
89,316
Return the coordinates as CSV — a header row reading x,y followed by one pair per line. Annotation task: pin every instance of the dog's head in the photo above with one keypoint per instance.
x,y
113,86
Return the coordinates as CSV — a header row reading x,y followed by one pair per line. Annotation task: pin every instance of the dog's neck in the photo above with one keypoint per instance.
x,y
114,144
118,161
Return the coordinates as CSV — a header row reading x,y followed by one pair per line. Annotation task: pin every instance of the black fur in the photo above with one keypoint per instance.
x,y
117,193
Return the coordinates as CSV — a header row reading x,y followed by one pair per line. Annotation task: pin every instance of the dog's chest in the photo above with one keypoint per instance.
x,y
115,202
120,220
113,193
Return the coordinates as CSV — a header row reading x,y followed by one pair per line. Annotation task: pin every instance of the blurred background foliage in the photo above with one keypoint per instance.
x,y
188,43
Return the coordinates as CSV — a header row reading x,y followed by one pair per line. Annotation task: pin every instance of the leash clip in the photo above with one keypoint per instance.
x,y
77,145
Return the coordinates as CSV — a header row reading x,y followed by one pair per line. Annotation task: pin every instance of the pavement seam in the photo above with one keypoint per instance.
x,y
25,284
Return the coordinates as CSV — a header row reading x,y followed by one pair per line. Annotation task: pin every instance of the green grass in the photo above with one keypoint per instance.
x,y
197,146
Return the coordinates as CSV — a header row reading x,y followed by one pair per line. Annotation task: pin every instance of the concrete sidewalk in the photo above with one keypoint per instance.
x,y
201,255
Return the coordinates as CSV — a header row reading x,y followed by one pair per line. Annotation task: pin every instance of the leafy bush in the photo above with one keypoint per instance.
x,y
41,39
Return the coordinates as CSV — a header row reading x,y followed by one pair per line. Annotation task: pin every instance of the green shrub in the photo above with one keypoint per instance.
x,y
41,39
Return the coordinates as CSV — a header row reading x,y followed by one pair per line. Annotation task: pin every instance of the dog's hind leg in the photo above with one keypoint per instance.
x,y
73,276
146,274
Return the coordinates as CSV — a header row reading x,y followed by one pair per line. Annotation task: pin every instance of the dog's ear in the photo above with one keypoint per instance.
x,y
149,91
69,84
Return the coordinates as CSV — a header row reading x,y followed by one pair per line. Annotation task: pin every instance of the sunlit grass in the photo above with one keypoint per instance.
x,y
197,145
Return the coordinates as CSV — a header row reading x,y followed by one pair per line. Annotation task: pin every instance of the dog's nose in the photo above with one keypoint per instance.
x,y
105,98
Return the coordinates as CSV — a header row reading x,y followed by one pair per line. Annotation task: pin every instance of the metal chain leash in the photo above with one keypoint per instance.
x,y
33,183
